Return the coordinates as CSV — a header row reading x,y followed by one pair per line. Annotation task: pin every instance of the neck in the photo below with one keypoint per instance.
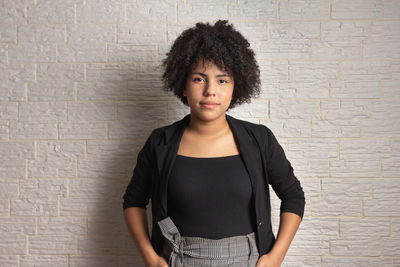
x,y
208,128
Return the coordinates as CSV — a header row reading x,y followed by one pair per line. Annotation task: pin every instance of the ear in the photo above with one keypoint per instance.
x,y
184,91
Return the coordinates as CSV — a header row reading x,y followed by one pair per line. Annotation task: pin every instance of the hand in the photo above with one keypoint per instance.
x,y
159,262
268,260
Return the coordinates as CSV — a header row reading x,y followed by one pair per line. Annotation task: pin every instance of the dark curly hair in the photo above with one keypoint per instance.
x,y
225,47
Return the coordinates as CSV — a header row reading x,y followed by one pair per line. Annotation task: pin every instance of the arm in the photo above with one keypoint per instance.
x,y
289,190
288,225
136,221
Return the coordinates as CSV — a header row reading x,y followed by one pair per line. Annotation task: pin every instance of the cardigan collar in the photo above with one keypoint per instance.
x,y
171,136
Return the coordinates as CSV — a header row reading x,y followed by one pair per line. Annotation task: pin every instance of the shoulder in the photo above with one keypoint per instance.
x,y
260,131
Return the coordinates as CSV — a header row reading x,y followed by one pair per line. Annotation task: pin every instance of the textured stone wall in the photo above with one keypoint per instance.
x,y
80,93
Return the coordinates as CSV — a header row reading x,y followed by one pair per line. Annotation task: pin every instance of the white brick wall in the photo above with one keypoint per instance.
x,y
80,92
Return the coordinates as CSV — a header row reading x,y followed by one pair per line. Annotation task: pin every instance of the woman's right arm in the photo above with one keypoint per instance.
x,y
136,221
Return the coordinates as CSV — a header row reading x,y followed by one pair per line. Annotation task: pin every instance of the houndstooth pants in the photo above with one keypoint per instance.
x,y
181,251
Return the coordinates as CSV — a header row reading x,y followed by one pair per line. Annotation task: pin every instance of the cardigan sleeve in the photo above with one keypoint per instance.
x,y
282,178
138,191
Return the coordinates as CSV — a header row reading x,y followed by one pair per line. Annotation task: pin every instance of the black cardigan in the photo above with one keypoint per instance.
x,y
264,159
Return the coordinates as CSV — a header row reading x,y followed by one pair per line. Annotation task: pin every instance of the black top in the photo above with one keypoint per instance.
x,y
211,197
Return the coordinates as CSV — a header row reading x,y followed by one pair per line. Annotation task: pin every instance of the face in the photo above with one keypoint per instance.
x,y
208,90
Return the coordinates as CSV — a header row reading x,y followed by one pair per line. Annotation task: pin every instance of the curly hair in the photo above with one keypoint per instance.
x,y
225,47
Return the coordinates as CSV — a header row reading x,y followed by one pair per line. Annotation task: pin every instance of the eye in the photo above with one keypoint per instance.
x,y
222,81
198,79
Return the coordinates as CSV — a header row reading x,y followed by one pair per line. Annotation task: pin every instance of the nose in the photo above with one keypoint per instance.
x,y
210,88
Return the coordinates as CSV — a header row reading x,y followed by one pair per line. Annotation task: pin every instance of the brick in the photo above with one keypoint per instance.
x,y
18,226
12,244
365,70
319,226
56,159
390,166
110,72
41,34
364,149
141,33
124,129
253,32
43,260
90,33
332,206
342,261
146,90
131,53
152,11
293,261
355,89
288,127
174,30
51,91
83,130
3,53
362,246
103,168
102,90
93,187
39,198
391,9
81,53
367,227
52,244
340,40
9,261
86,206
95,111
8,33
37,52
106,11
357,9
62,226
60,72
131,260
8,111
13,77
294,108
383,113
14,155
260,10
44,112
52,12
309,245
304,9
385,198
4,130
205,11
116,149
94,260
354,168
9,189
13,12
384,42
273,75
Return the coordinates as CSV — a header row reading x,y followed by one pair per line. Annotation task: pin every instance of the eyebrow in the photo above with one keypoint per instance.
x,y
202,74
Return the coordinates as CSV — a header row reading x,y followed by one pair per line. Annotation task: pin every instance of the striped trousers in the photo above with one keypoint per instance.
x,y
181,251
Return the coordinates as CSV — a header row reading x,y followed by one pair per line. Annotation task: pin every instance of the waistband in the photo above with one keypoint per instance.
x,y
199,247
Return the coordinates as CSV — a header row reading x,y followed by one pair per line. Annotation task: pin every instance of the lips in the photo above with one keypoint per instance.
x,y
209,103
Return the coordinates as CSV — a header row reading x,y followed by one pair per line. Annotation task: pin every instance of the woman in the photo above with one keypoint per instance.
x,y
208,173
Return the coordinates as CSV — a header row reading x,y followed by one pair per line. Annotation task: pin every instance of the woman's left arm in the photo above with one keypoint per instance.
x,y
288,225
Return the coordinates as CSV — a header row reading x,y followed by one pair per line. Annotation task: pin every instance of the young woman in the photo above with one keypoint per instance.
x,y
208,174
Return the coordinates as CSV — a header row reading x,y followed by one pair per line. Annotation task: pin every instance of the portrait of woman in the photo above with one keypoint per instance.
x,y
208,174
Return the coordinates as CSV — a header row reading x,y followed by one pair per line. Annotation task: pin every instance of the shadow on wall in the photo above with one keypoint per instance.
x,y
109,165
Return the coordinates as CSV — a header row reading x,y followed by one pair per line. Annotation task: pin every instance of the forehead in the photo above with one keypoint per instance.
x,y
204,65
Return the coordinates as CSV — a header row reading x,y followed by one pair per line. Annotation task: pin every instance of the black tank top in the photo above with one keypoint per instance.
x,y
211,197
